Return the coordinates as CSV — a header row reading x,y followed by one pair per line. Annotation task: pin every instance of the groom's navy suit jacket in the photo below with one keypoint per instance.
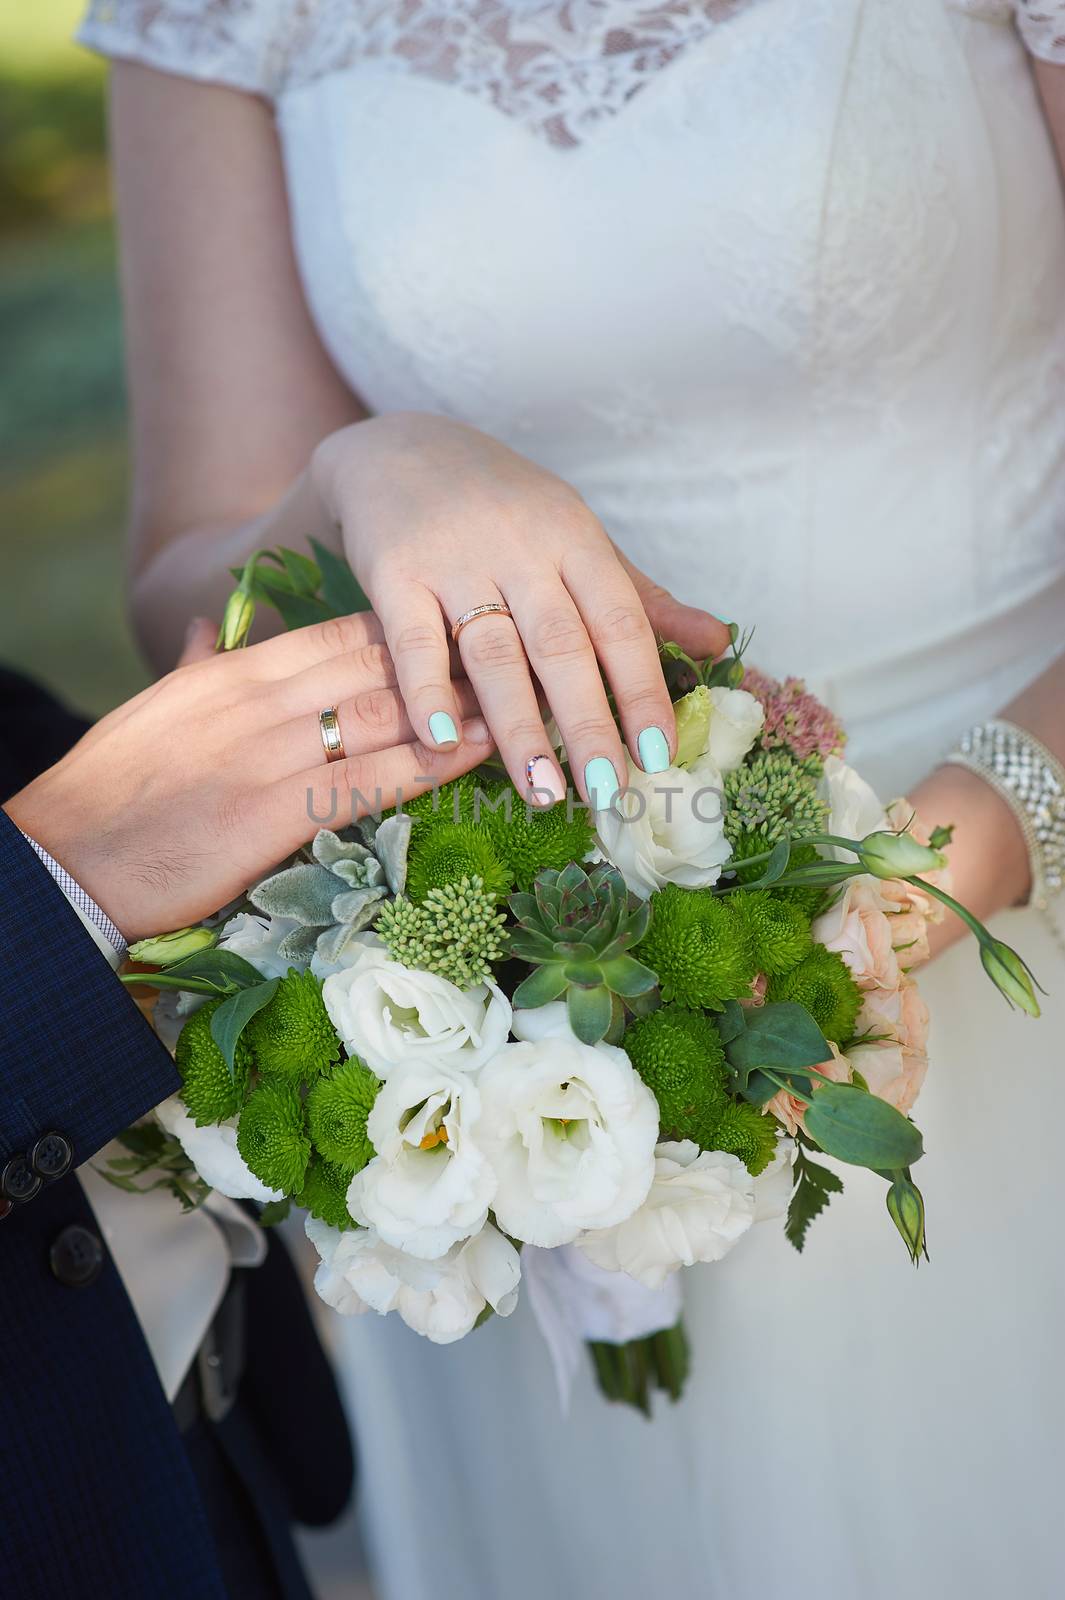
x,y
97,1498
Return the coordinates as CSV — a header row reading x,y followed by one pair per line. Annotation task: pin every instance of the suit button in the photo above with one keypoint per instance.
x,y
51,1155
77,1257
18,1181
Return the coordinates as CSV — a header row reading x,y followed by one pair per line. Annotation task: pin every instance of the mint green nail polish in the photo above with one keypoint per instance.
x,y
442,728
653,750
600,782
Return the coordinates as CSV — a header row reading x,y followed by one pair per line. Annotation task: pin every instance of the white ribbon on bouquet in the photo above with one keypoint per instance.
x,y
573,1300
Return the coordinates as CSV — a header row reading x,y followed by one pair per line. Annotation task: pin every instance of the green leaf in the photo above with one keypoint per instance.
x,y
341,590
234,1014
540,987
275,1211
299,610
221,967
306,575
782,1035
860,1129
731,1022
590,1012
814,1187
774,868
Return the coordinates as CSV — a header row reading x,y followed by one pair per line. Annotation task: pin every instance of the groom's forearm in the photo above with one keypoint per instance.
x,y
78,1060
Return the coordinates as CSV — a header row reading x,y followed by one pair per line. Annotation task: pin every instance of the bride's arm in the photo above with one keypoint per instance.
x,y
245,436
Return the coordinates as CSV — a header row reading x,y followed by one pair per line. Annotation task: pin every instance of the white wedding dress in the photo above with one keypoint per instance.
x,y
780,286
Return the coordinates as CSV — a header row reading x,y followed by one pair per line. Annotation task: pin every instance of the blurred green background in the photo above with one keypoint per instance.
x,y
62,408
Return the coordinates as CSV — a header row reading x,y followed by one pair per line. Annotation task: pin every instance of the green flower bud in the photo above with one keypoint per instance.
x,y
236,621
905,1205
1009,974
168,948
898,855
693,725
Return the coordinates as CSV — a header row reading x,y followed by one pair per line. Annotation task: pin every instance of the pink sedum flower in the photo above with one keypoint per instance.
x,y
795,720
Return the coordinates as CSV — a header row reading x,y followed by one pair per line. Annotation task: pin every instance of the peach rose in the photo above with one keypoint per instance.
x,y
858,927
788,1108
894,1065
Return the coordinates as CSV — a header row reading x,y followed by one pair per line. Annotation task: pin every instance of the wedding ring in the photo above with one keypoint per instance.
x,y
329,723
492,608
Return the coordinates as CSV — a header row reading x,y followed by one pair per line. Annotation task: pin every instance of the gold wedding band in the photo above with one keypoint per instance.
x,y
329,723
497,608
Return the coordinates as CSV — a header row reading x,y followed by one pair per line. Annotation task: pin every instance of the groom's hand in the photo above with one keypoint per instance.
x,y
175,802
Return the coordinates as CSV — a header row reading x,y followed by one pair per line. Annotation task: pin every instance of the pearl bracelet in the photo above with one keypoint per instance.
x,y
1032,782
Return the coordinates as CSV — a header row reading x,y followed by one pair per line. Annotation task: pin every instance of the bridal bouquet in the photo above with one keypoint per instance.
x,y
477,1041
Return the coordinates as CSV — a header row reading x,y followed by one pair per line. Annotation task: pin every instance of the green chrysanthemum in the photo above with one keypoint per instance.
x,y
337,1108
209,1090
325,1193
772,795
272,1137
679,1055
451,802
293,1037
822,983
446,853
746,1132
778,931
698,947
456,932
530,839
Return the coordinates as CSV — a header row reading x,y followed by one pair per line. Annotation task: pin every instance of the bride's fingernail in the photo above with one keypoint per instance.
x,y
600,783
653,750
442,727
546,787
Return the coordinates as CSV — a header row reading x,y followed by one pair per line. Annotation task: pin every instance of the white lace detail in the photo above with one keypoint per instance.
x,y
238,42
1042,25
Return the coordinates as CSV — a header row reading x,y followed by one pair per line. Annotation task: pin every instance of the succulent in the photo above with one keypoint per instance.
x,y
577,929
338,893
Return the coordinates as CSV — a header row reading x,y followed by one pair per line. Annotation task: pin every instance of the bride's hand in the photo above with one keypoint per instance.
x,y
437,518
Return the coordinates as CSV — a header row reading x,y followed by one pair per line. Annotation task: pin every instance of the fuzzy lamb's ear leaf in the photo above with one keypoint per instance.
x,y
335,943
357,908
329,849
391,844
299,945
304,892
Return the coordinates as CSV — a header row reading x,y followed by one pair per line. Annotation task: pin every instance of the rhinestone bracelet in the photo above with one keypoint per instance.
x,y
1032,782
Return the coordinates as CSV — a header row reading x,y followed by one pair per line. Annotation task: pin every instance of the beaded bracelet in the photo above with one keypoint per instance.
x,y
1032,782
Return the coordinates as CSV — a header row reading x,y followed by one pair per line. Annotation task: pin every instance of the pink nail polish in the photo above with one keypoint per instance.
x,y
545,781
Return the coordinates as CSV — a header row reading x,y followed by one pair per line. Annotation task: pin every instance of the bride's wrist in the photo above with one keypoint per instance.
x,y
988,854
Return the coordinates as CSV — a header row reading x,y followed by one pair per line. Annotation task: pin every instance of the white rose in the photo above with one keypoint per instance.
x,y
390,1014
666,827
429,1184
441,1299
853,808
213,1152
570,1129
736,719
255,937
533,1023
700,1203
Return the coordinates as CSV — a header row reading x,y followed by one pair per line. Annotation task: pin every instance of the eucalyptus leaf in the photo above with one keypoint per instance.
x,y
341,590
782,1035
234,1014
861,1129
731,1022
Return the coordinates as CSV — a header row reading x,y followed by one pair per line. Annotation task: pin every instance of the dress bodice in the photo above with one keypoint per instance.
x,y
779,285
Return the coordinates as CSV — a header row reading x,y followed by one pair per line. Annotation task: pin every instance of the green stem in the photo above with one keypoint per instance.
x,y
972,923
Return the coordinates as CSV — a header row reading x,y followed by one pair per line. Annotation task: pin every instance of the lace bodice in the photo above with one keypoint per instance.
x,y
559,66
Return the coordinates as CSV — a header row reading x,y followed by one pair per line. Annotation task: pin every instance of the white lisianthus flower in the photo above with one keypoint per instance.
x,y
853,808
772,1188
666,827
736,720
255,937
391,1015
440,1299
356,944
533,1023
213,1152
429,1184
700,1203
570,1130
